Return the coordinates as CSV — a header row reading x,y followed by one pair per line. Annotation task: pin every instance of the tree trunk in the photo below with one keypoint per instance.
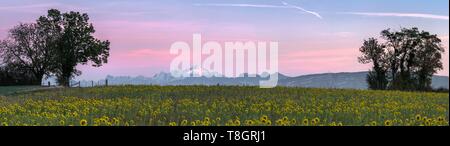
x,y
66,81
38,79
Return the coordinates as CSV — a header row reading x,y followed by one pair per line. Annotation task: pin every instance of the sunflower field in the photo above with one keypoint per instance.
x,y
222,106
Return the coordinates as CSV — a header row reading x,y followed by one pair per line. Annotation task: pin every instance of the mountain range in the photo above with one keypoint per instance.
x,y
345,80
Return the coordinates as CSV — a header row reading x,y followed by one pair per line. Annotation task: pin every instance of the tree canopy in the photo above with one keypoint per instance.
x,y
54,45
406,60
25,51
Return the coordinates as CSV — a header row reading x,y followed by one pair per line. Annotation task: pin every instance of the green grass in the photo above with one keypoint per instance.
x,y
223,105
8,90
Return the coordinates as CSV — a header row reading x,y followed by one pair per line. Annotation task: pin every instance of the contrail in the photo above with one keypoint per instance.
x,y
241,5
28,6
301,9
284,6
414,15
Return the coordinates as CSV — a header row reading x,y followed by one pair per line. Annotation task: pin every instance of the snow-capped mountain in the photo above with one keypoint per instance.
x,y
352,80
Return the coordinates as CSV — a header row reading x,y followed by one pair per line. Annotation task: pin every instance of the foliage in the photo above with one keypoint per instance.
x,y
73,43
54,45
374,52
25,53
10,76
409,56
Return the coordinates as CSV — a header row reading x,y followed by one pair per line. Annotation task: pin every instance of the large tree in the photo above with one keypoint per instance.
x,y
373,52
54,45
73,43
402,47
428,60
411,58
25,51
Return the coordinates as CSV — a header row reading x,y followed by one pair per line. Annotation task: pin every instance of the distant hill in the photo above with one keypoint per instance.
x,y
355,80
350,80
440,82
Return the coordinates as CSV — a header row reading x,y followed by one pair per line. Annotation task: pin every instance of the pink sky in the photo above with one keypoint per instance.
x,y
142,32
142,48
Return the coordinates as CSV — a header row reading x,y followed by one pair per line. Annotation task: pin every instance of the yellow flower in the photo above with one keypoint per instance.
x,y
229,123
184,123
249,122
388,123
263,121
305,122
315,121
83,122
220,109
237,122
427,123
207,119
269,122
440,119
115,121
279,122
206,123
418,118
172,124
293,121
285,119
264,118
333,124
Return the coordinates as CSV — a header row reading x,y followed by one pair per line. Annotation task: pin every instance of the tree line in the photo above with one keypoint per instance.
x,y
404,60
52,46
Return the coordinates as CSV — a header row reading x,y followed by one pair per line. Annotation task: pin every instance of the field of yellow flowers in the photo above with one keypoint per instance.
x,y
222,106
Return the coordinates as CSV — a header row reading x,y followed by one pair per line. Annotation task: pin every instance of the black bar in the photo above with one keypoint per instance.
x,y
273,135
